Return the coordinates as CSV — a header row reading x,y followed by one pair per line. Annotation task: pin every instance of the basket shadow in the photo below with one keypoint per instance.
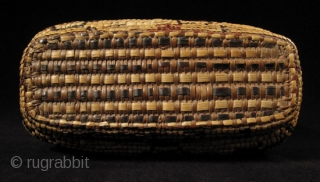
x,y
243,156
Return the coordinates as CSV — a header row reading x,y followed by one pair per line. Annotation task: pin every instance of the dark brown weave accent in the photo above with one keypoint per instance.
x,y
152,86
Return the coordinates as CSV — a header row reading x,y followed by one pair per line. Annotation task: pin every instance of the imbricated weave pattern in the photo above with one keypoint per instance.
x,y
150,86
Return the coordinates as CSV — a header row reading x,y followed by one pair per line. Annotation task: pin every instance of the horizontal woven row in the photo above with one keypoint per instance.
x,y
160,92
203,119
94,40
162,106
212,143
157,53
156,66
48,80
92,35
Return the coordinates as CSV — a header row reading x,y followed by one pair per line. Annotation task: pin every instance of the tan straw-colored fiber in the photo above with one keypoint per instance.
x,y
152,86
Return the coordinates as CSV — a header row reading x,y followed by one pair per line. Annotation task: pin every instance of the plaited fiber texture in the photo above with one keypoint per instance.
x,y
153,86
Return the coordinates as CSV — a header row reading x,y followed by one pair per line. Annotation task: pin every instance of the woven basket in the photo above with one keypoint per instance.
x,y
152,86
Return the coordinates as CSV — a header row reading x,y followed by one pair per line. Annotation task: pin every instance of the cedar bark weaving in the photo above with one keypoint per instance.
x,y
153,86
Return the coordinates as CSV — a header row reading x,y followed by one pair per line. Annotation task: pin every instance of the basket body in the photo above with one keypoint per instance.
x,y
149,86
